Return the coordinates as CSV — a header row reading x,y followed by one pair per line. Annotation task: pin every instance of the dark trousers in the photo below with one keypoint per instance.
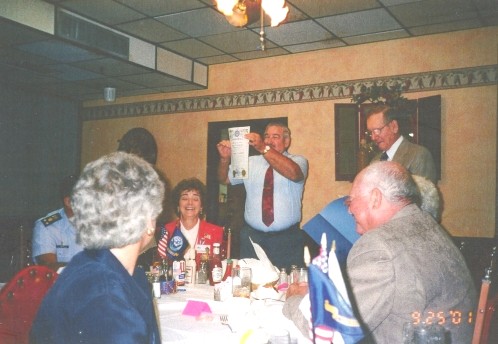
x,y
283,248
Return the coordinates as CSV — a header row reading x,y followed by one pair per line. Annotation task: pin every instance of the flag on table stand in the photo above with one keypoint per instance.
x,y
332,316
163,243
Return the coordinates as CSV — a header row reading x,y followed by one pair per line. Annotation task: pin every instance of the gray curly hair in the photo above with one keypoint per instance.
x,y
114,199
430,200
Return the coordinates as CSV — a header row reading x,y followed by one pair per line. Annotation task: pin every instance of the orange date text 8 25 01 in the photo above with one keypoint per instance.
x,y
452,317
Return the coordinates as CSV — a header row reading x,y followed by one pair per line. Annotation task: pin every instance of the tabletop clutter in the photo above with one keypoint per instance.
x,y
249,277
245,294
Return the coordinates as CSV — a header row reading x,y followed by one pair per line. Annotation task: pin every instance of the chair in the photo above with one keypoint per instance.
x,y
489,332
19,302
481,308
486,306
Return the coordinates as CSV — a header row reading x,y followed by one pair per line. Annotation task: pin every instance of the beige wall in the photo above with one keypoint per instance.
x,y
469,120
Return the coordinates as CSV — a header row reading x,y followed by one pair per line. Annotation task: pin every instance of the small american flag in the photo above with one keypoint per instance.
x,y
163,243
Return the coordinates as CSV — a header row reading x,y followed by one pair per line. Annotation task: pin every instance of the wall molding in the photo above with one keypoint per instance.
x,y
428,81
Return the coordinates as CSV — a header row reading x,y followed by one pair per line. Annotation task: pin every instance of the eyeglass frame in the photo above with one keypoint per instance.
x,y
377,131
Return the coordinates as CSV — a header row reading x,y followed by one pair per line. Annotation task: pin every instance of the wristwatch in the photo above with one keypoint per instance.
x,y
267,148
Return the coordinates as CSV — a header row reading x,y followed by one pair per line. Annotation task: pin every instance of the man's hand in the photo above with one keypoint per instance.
x,y
300,288
224,149
256,141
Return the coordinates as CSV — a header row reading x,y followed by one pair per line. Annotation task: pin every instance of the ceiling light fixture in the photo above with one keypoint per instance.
x,y
241,13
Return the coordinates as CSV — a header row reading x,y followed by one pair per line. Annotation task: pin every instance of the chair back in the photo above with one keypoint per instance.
x,y
490,324
19,302
481,308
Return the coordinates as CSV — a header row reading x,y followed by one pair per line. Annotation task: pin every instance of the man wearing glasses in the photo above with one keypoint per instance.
x,y
384,130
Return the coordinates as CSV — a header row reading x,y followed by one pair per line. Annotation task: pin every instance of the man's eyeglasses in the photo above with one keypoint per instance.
x,y
377,131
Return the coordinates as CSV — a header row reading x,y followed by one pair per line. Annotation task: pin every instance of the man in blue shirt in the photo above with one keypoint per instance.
x,y
281,239
54,237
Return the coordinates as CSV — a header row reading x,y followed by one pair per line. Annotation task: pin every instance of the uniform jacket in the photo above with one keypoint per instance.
x,y
54,233
95,300
415,158
406,268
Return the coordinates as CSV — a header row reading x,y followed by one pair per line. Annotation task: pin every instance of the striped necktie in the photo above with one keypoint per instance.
x,y
267,201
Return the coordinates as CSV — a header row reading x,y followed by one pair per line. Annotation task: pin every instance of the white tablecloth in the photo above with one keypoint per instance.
x,y
253,321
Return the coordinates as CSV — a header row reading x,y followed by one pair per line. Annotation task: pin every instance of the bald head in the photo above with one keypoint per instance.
x,y
379,192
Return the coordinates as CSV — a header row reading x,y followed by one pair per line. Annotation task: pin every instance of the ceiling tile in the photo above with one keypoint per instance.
x,y
111,67
152,80
156,8
200,22
358,23
397,2
67,72
192,48
326,44
151,30
375,37
236,42
324,8
433,12
195,30
58,51
11,34
261,54
106,12
445,27
297,32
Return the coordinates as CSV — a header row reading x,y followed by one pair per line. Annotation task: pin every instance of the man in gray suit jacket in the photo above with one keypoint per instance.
x,y
404,268
385,131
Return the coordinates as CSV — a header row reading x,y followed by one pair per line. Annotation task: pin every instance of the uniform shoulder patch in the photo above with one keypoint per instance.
x,y
47,221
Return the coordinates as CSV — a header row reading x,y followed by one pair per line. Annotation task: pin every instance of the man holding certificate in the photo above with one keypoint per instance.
x,y
274,183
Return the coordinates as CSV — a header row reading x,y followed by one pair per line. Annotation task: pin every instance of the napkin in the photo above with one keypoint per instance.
x,y
196,308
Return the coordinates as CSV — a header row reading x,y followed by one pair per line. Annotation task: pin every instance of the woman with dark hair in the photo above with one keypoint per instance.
x,y
101,297
189,195
141,142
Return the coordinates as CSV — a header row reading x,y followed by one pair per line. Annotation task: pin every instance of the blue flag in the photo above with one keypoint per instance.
x,y
177,245
339,225
331,311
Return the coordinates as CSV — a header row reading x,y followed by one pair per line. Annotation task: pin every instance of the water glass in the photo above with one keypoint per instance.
x,y
423,334
241,282
279,336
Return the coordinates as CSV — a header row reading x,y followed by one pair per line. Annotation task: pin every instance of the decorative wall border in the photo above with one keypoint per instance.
x,y
436,80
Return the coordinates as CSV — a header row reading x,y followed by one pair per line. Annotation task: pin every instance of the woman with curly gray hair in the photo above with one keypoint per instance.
x,y
101,297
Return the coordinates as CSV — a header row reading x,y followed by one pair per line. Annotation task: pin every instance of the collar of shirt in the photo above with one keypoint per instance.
x,y
391,151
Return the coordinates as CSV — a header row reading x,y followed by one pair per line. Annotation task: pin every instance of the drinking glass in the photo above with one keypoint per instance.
x,y
241,282
279,336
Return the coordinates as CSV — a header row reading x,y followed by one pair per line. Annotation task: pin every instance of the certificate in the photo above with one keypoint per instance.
x,y
240,151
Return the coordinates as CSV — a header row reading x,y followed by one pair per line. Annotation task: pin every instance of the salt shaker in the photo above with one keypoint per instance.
x,y
156,287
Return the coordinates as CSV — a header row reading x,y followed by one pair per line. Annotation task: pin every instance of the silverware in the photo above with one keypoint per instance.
x,y
224,321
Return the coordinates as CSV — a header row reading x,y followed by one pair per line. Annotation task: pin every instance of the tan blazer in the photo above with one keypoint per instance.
x,y
415,158
410,265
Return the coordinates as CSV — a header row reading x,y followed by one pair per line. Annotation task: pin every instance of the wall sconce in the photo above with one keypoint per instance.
x,y
109,94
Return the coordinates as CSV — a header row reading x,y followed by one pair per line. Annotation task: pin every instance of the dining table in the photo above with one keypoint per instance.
x,y
191,315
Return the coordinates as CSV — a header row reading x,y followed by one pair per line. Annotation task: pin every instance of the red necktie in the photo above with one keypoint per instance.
x,y
267,204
